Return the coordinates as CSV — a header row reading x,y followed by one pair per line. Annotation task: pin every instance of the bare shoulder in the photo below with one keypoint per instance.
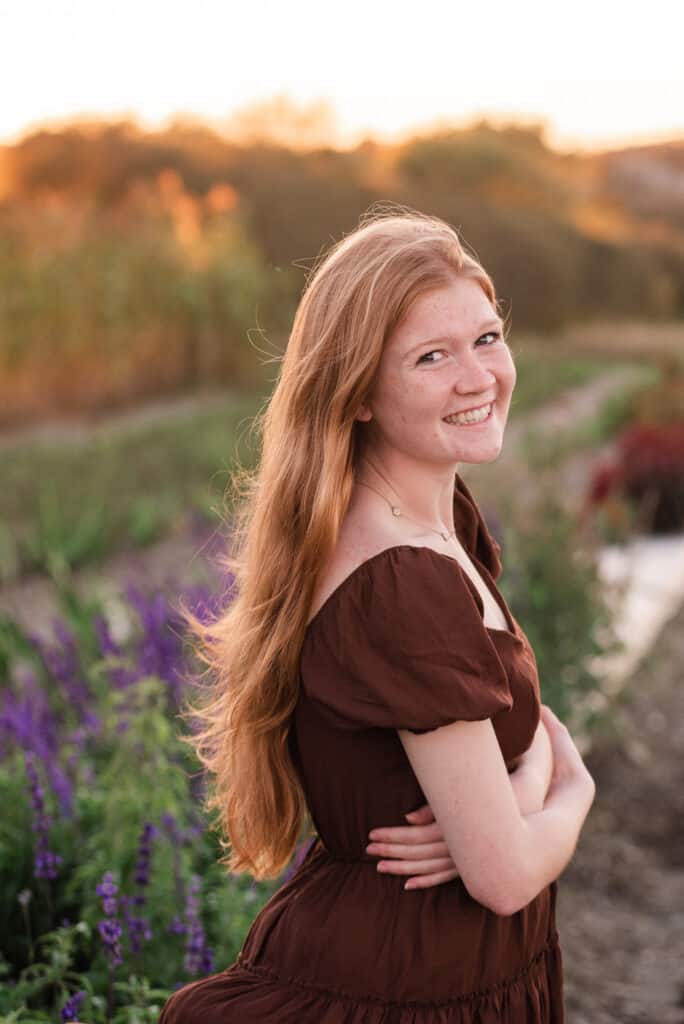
x,y
362,536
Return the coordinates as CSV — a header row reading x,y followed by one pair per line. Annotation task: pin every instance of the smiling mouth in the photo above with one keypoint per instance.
x,y
472,417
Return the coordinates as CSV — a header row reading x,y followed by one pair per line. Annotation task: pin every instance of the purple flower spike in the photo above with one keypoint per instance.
x,y
160,647
105,640
139,930
27,719
142,867
110,928
107,889
63,663
138,927
72,1006
46,862
198,957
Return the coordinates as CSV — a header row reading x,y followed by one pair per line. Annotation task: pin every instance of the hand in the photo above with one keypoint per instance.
x,y
568,767
419,849
538,758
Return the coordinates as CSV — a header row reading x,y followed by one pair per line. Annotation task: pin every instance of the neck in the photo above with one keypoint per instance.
x,y
424,494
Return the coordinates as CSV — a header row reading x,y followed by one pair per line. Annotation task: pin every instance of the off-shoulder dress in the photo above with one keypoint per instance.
x,y
400,644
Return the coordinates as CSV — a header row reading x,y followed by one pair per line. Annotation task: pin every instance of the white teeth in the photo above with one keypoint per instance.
x,y
470,417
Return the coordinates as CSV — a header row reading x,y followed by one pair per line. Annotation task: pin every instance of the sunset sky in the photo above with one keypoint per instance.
x,y
594,73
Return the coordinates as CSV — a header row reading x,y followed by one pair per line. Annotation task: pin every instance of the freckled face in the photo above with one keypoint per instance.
x,y
447,356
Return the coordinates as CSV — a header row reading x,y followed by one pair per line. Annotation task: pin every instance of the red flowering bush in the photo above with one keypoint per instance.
x,y
647,472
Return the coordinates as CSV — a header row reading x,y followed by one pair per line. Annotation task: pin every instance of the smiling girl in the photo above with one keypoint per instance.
x,y
369,667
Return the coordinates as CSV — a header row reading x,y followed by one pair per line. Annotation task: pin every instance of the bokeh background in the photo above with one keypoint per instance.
x,y
168,176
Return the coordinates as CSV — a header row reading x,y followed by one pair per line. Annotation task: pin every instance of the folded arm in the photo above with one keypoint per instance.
x,y
419,850
531,775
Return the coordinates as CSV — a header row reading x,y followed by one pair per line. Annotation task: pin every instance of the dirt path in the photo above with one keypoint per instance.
x,y
621,900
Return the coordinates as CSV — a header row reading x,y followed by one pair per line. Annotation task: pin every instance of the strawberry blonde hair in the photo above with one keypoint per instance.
x,y
288,513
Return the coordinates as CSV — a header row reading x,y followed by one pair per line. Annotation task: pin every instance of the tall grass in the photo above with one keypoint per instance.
x,y
100,308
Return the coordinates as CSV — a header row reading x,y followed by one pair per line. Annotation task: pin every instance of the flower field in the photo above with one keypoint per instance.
x,y
112,895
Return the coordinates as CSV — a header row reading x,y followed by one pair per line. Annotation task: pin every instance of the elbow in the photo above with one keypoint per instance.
x,y
504,899
503,904
509,905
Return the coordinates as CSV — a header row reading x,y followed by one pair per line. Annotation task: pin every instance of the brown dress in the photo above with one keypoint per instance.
x,y
401,643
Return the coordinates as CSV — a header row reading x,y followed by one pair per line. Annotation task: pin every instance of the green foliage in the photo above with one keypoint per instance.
x,y
59,542
146,522
551,583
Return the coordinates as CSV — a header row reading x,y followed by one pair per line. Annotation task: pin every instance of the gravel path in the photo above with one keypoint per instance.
x,y
621,899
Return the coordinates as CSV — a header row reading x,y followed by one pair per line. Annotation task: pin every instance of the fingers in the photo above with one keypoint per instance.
x,y
411,851
426,881
423,816
415,867
551,720
410,834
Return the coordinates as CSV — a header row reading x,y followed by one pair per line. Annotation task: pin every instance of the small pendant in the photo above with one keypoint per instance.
x,y
396,511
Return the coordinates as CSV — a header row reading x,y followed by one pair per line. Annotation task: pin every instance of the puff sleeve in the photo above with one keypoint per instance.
x,y
402,645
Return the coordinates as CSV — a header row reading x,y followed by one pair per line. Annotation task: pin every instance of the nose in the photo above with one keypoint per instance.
x,y
471,377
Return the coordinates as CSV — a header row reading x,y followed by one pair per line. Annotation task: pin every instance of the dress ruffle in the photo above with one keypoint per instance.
x,y
532,995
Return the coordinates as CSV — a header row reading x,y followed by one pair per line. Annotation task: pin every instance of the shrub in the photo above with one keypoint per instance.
x,y
646,474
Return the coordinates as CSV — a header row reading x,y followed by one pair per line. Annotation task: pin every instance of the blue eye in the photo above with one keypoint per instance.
x,y
490,334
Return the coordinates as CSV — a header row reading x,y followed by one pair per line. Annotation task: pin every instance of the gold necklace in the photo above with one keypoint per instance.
x,y
396,511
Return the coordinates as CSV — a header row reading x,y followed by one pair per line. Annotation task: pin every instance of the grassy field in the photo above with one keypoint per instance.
x,y
80,500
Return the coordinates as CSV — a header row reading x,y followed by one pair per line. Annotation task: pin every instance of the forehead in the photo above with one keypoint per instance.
x,y
457,309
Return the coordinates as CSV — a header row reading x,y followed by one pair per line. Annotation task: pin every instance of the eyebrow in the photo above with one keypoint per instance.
x,y
452,337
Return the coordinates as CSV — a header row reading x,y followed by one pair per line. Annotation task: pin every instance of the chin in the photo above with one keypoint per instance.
x,y
476,458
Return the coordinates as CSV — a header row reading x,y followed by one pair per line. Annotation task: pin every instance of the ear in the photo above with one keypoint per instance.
x,y
364,414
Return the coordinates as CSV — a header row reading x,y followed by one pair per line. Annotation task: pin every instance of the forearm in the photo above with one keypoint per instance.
x,y
531,776
550,838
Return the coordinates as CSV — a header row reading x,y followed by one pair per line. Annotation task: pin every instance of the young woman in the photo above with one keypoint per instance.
x,y
369,662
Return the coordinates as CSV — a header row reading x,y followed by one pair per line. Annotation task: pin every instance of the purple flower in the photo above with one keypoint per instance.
x,y
106,642
169,824
72,1006
120,676
138,927
27,718
110,933
205,604
110,928
63,663
160,643
107,889
142,867
198,957
46,862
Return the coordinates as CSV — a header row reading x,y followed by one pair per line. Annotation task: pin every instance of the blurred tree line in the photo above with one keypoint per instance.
x,y
135,263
